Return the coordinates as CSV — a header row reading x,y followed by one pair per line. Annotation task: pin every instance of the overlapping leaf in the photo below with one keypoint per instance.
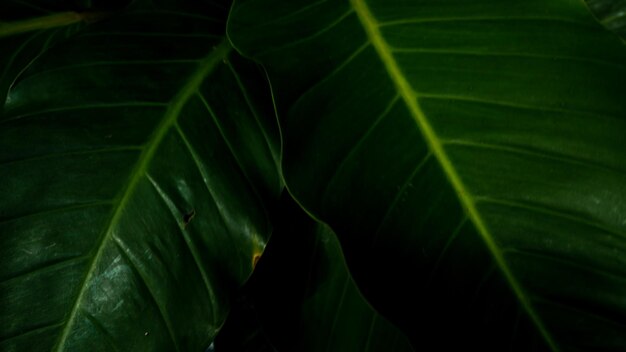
x,y
137,160
470,155
302,298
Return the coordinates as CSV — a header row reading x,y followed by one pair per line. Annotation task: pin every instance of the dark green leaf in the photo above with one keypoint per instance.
x,y
26,31
301,297
137,165
28,28
470,155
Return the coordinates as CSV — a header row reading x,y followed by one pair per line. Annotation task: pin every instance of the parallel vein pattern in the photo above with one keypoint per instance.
x,y
410,97
126,218
171,116
505,153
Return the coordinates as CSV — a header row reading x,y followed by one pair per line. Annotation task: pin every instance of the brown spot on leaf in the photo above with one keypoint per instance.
x,y
255,259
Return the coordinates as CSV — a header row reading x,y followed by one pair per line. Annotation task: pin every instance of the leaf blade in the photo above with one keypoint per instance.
x,y
523,102
126,219
411,99
169,120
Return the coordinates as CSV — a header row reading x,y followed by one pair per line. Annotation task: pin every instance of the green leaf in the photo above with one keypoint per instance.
x,y
41,23
138,160
470,155
28,30
301,297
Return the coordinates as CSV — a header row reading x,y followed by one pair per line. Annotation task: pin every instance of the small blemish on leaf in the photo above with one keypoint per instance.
x,y
188,217
146,333
255,259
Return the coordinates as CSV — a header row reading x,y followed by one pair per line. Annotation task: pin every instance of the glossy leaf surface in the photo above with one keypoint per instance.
x,y
136,165
301,297
470,156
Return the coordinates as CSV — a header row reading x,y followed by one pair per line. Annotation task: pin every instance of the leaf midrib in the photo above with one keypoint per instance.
x,y
44,22
410,97
169,119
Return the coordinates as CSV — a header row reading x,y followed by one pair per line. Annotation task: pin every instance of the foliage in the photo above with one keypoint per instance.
x,y
467,157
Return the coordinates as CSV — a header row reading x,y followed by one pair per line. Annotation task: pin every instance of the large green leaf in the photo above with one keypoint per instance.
x,y
469,154
301,297
137,161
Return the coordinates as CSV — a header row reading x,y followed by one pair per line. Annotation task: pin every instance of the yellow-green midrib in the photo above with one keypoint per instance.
x,y
169,119
411,99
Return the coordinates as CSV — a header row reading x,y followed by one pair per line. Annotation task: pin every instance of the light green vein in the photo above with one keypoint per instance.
x,y
494,54
290,15
127,254
311,36
342,299
71,153
130,104
542,209
193,249
555,156
515,105
47,267
16,52
36,331
169,119
555,258
410,97
420,20
446,247
45,22
55,211
578,311
613,17
399,195
253,111
338,68
355,148
370,333
94,64
231,149
110,341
